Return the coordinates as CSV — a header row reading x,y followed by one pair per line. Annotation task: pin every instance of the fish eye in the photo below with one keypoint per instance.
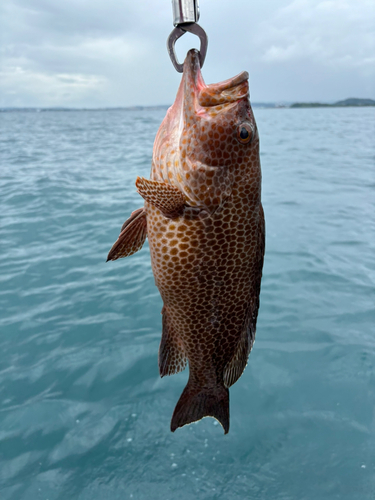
x,y
244,133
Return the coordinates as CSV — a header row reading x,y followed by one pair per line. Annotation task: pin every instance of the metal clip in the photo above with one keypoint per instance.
x,y
185,11
185,17
177,33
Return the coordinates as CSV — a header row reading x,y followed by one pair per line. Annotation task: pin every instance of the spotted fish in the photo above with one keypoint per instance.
x,y
204,220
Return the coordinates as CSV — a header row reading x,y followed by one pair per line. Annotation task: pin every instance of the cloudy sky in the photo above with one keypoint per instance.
x,y
95,53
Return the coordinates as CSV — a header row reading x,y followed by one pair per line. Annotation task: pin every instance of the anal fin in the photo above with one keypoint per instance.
x,y
132,236
172,358
167,198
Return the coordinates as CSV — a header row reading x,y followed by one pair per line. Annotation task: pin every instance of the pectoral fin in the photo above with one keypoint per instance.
x,y
132,236
167,198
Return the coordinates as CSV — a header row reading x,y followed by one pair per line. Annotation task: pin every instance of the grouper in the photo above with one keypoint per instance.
x,y
205,224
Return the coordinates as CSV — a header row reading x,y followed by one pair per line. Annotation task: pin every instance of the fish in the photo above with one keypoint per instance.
x,y
205,225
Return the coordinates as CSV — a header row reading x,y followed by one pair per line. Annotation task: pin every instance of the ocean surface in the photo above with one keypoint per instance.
x,y
83,412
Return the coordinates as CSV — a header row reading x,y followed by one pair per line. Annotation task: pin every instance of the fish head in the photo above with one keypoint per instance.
x,y
208,140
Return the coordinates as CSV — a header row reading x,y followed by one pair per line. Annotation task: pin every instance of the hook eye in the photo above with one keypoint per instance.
x,y
177,33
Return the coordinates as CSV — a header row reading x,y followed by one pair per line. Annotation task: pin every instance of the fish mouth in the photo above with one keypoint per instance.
x,y
215,94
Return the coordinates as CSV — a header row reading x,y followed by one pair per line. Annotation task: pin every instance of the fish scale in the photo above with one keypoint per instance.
x,y
205,226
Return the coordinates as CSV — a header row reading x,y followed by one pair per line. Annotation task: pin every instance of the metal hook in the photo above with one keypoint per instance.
x,y
177,33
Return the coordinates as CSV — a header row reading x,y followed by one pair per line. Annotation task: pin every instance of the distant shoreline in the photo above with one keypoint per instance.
x,y
351,102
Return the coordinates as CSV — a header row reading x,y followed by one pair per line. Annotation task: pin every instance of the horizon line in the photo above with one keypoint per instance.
x,y
138,107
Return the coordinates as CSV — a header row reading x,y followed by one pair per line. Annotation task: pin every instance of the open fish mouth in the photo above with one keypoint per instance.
x,y
215,94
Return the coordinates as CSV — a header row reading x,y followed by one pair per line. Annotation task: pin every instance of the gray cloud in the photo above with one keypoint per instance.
x,y
110,53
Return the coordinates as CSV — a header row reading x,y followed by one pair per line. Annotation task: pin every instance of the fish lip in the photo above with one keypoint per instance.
x,y
204,96
192,72
231,83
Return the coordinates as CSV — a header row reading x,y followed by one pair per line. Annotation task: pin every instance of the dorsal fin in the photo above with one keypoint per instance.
x,y
237,364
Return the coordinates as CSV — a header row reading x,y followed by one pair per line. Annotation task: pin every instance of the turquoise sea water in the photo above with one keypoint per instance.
x,y
83,412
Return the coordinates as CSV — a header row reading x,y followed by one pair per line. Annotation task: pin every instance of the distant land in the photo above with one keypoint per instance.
x,y
353,101
59,108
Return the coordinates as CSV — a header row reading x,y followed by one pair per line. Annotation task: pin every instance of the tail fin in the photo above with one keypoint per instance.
x,y
198,402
